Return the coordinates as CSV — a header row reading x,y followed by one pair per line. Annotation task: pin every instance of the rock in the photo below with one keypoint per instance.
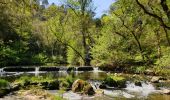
x,y
88,89
15,87
4,92
78,85
166,91
149,72
53,85
64,85
163,78
81,86
44,85
99,92
85,69
155,79
70,69
49,69
138,83
115,81
102,86
19,69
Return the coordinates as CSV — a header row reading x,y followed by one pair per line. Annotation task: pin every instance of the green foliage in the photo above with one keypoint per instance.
x,y
139,69
58,98
67,82
164,61
4,84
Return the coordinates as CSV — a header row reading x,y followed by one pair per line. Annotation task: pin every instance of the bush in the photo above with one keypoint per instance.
x,y
4,84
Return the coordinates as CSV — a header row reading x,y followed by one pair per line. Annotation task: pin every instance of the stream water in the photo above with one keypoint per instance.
x,y
146,91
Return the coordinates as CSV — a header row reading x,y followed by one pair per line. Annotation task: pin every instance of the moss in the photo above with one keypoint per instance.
x,y
4,84
115,81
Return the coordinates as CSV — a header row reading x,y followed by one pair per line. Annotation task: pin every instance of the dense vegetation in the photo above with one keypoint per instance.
x,y
135,32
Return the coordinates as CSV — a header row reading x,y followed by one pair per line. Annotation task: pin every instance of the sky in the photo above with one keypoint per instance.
x,y
102,6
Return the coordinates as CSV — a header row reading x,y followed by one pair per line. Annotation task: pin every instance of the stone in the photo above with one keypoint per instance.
x,y
88,89
15,87
155,79
149,72
81,86
138,83
166,91
102,86
53,85
78,85
115,81
99,92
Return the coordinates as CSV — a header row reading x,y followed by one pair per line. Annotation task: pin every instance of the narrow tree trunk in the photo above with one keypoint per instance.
x,y
139,45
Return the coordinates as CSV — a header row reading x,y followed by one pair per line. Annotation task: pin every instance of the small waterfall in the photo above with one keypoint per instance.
x,y
1,72
76,70
96,69
63,71
95,84
144,90
37,71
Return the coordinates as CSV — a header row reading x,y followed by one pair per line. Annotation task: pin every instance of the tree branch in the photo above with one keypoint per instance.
x,y
153,15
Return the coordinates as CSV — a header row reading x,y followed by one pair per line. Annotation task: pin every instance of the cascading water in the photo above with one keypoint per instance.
x,y
95,84
1,72
76,70
63,71
143,90
37,71
95,69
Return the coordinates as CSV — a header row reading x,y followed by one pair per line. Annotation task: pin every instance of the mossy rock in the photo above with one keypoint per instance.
x,y
115,81
78,85
88,89
81,86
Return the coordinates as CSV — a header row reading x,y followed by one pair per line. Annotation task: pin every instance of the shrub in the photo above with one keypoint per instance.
x,y
4,84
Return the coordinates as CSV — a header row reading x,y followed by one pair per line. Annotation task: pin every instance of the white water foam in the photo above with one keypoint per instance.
x,y
144,90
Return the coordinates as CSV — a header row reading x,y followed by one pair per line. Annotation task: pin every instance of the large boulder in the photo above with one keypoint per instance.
x,y
81,86
78,85
115,81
